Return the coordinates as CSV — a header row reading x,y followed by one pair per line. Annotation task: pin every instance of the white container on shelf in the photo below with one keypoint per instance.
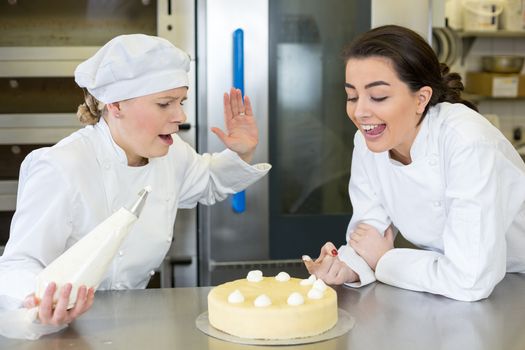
x,y
513,15
454,14
481,15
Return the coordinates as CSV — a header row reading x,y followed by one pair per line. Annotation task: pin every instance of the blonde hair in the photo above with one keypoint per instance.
x,y
90,112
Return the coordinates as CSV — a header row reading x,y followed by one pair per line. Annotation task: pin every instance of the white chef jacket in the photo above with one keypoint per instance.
x,y
68,189
462,200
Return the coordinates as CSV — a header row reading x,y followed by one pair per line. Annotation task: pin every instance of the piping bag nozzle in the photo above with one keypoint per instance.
x,y
136,208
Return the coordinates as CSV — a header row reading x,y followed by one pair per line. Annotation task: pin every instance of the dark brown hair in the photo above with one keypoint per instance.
x,y
414,61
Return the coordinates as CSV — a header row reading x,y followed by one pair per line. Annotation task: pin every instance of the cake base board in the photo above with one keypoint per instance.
x,y
345,322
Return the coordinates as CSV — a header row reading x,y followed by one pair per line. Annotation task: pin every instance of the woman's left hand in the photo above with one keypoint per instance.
x,y
370,244
241,134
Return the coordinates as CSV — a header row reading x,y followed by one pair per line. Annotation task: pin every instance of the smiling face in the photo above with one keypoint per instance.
x,y
142,126
383,107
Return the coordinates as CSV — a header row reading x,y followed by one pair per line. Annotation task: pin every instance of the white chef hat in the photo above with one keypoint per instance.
x,y
131,66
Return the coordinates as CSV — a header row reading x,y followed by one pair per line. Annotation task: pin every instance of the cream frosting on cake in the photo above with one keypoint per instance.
x,y
280,307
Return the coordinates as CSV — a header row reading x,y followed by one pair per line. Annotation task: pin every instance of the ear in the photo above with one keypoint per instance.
x,y
114,109
423,98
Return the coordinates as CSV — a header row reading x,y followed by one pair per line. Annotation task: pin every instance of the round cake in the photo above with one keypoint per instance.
x,y
277,307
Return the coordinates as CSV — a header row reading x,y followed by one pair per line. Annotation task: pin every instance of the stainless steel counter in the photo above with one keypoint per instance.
x,y
386,317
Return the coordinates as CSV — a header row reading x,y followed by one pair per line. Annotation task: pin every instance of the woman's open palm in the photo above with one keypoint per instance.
x,y
241,134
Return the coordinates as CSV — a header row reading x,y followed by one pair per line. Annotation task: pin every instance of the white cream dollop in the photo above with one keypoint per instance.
x,y
309,281
320,285
282,277
295,299
315,293
236,297
255,276
262,301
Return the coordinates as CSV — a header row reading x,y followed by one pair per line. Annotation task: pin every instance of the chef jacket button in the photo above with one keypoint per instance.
x,y
120,253
437,204
169,239
432,162
107,166
152,272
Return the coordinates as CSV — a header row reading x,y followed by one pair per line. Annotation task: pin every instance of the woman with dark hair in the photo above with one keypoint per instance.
x,y
426,164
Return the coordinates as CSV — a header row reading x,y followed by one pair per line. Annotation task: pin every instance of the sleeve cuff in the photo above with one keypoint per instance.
x,y
244,173
358,264
22,324
255,168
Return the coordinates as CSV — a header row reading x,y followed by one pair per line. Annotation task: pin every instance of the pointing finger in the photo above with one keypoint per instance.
x,y
330,249
309,264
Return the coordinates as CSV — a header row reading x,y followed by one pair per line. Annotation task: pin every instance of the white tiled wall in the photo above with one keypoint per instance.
x,y
511,112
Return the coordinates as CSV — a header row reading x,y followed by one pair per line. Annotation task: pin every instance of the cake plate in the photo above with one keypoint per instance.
x,y
345,322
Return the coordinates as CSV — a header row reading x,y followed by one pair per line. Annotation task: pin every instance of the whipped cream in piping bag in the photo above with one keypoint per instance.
x,y
86,262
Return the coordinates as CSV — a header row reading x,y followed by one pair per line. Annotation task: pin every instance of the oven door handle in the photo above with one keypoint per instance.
x,y
238,199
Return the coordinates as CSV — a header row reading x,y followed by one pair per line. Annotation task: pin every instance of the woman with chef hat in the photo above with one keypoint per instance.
x,y
426,164
135,87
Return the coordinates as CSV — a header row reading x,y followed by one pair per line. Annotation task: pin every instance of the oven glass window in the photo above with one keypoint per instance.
x,y
39,95
11,156
73,23
311,137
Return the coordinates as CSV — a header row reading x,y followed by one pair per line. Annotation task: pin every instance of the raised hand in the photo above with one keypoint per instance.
x,y
328,267
241,134
59,314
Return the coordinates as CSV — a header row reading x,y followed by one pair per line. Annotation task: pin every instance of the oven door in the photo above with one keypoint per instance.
x,y
50,38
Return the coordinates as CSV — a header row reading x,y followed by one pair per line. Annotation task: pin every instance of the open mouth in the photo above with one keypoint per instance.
x,y
167,139
373,130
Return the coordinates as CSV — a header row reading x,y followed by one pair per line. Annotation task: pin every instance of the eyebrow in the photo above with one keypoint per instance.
x,y
367,86
173,98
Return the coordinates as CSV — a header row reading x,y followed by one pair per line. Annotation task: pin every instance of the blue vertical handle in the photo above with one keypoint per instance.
x,y
239,198
238,60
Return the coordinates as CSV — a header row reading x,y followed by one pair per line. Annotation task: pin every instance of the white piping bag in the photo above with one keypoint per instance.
x,y
86,262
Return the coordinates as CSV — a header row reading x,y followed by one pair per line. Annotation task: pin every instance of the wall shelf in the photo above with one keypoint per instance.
x,y
478,98
468,38
491,34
